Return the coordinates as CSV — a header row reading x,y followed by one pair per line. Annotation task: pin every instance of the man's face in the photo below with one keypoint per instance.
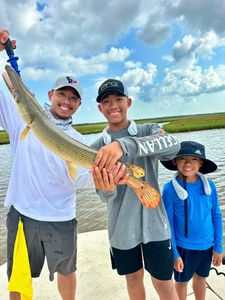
x,y
114,108
65,102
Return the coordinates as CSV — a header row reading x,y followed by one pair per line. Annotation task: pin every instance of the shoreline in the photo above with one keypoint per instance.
x,y
173,124
95,278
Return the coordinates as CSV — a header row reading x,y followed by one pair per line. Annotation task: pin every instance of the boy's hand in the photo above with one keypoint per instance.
x,y
107,181
108,155
119,173
179,265
4,35
217,259
103,181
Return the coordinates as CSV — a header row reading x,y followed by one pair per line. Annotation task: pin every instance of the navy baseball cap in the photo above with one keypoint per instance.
x,y
111,86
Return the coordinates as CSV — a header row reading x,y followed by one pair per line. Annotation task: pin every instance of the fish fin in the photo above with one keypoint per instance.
x,y
71,170
146,193
135,170
24,133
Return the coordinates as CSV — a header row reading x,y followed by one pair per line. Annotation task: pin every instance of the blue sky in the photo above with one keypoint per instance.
x,y
169,53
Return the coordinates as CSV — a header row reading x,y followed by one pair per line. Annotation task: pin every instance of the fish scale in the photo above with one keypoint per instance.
x,y
69,149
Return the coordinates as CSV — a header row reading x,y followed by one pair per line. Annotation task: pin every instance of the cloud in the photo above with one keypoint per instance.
x,y
192,80
203,15
140,81
78,66
132,64
202,46
154,33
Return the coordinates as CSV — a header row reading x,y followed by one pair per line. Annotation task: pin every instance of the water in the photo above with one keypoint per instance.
x,y
91,212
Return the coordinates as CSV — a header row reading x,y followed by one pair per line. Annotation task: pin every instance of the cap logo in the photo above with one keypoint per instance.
x,y
109,84
198,152
70,80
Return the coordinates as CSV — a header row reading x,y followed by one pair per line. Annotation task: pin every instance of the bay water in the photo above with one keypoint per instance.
x,y
91,212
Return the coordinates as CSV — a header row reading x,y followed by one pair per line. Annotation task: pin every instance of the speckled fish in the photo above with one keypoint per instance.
x,y
70,150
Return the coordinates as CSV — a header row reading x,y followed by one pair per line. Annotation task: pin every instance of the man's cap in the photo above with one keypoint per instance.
x,y
111,86
65,81
190,148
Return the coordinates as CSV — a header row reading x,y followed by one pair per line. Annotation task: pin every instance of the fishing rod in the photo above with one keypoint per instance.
x,y
12,58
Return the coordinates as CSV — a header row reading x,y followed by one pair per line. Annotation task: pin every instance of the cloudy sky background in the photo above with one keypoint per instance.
x,y
169,53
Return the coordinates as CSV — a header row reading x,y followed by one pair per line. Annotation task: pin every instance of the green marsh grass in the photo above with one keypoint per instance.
x,y
174,124
197,122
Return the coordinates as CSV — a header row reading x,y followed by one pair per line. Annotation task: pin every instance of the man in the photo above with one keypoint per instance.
x,y
40,190
136,233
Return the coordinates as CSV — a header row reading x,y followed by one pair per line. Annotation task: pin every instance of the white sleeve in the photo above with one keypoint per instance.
x,y
10,120
84,179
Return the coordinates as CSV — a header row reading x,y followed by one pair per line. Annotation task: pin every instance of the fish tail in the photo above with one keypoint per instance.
x,y
146,193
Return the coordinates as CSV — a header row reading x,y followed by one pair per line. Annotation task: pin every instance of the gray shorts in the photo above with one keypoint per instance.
x,y
57,241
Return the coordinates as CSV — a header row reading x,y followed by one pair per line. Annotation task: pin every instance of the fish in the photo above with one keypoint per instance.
x,y
67,148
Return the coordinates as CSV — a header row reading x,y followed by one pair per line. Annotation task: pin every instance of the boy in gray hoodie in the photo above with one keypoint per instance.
x,y
138,235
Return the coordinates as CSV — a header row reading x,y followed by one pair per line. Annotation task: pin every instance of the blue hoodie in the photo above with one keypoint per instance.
x,y
204,215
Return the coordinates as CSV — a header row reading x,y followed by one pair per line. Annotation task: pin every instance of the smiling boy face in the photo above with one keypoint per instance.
x,y
114,107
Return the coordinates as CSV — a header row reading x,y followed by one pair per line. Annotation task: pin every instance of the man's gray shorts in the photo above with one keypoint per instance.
x,y
57,241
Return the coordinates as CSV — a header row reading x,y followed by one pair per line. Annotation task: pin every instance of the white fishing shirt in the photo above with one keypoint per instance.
x,y
39,186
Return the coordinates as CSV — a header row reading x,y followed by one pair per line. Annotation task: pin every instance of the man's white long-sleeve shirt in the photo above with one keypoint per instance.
x,y
39,186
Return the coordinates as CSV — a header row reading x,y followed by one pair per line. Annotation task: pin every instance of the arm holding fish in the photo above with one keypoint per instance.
x,y
9,116
155,142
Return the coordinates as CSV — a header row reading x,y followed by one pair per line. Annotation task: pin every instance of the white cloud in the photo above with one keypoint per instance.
x,y
202,46
78,66
203,15
192,81
139,81
132,64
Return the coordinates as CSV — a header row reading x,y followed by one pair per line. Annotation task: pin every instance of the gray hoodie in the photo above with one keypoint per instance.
x,y
129,222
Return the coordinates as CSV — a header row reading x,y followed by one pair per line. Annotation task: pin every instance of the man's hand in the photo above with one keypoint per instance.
x,y
108,155
4,35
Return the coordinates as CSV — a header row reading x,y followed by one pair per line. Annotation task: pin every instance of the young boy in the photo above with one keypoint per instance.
x,y
195,218
136,233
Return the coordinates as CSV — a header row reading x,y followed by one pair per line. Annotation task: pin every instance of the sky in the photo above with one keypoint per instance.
x,y
170,54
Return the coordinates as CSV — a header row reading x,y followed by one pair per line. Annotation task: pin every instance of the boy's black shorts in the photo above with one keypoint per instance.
x,y
195,261
157,257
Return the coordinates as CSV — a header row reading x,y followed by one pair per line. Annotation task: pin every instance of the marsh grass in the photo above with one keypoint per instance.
x,y
174,124
197,122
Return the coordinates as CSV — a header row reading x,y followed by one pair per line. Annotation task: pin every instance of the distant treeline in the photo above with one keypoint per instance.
x,y
173,124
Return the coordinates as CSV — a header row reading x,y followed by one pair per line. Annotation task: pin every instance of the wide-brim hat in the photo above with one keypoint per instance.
x,y
191,148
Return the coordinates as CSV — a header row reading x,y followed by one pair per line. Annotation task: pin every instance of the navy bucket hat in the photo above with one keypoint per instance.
x,y
190,148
